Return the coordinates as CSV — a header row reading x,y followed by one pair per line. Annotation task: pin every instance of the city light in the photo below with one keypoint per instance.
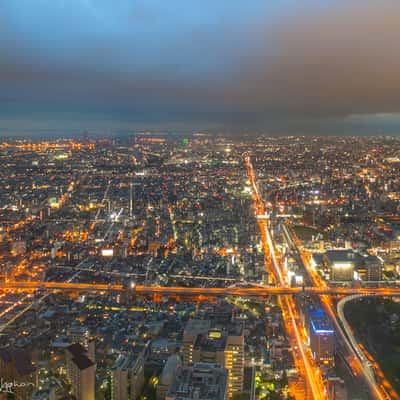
x,y
186,244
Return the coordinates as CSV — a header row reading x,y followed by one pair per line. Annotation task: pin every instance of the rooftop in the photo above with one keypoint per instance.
x,y
200,381
79,356
341,256
320,323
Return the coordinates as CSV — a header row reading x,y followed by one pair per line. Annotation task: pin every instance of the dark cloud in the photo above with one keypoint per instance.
x,y
340,61
320,66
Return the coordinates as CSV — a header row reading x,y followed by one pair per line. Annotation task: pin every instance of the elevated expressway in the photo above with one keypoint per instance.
x,y
258,291
303,360
311,385
381,390
370,368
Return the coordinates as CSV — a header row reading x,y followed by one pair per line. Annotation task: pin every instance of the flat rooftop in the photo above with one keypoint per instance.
x,y
200,381
320,323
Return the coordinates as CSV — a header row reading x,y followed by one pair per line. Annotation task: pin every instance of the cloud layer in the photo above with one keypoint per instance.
x,y
243,63
338,61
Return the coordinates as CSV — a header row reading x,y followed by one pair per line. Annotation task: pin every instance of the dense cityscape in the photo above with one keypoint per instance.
x,y
200,267
199,200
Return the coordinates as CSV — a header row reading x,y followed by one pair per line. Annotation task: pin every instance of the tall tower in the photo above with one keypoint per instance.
x,y
81,372
131,199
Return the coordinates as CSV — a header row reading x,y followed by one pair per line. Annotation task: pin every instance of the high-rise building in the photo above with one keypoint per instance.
x,y
168,375
127,378
79,334
219,345
193,328
81,371
322,338
234,360
199,381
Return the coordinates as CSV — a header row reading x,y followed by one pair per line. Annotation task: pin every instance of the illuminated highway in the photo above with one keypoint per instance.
x,y
27,301
32,300
357,361
259,291
308,370
380,391
303,360
369,366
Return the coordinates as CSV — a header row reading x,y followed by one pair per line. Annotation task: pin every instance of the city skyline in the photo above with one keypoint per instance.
x,y
203,267
199,200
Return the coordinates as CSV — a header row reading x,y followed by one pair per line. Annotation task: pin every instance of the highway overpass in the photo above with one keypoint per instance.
x,y
257,291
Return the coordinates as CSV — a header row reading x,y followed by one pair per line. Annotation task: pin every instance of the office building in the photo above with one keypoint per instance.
x,y
199,381
81,371
193,328
127,378
373,268
341,264
79,334
223,346
168,375
322,338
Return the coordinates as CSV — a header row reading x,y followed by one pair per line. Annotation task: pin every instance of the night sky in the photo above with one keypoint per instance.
x,y
284,66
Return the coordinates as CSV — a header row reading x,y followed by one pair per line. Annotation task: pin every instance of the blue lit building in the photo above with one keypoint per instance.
x,y
322,338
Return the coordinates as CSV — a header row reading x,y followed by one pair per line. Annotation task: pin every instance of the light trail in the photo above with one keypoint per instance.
x,y
23,264
258,291
313,382
112,225
305,369
29,306
357,360
367,364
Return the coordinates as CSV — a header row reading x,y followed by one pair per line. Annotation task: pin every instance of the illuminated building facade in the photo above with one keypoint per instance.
x,y
193,328
322,338
224,347
341,264
373,268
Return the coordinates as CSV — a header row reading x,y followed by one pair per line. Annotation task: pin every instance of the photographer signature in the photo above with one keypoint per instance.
x,y
10,386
